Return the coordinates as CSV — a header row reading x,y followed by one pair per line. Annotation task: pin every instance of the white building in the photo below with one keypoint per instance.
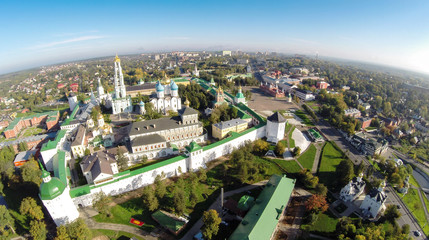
x,y
72,98
305,95
239,98
120,101
373,203
103,98
78,144
196,72
275,127
99,167
167,98
56,198
353,189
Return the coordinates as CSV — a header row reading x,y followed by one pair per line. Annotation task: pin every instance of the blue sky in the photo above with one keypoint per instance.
x,y
34,33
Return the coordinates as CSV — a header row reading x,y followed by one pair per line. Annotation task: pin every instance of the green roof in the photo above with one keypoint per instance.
x,y
314,133
167,221
261,220
71,117
52,189
241,114
60,168
193,146
53,144
245,202
50,114
239,95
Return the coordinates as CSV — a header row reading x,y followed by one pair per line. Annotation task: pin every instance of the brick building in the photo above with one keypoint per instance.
x,y
48,118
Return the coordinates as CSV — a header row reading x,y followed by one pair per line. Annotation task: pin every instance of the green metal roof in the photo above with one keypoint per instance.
x,y
239,95
193,146
167,221
60,168
49,114
245,202
71,117
261,220
52,189
53,144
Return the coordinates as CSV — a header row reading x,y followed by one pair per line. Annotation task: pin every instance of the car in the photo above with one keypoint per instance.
x,y
224,223
417,233
398,206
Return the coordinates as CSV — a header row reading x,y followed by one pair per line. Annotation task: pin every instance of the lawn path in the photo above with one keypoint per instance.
x,y
316,158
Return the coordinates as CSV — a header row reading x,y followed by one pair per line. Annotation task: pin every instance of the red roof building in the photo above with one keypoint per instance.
x,y
59,86
74,87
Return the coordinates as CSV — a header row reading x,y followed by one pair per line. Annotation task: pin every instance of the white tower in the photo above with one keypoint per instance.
x,y
159,90
100,89
100,120
195,156
56,198
120,91
72,101
275,127
142,108
239,98
174,89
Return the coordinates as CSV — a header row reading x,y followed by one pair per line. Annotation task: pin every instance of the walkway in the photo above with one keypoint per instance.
x,y
319,148
423,203
216,205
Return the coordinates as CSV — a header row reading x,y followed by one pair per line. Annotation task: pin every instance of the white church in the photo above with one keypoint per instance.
x,y
167,98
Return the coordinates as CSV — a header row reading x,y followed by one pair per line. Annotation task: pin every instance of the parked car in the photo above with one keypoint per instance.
x,y
417,233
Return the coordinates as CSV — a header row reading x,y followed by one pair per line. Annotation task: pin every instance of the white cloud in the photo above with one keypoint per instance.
x,y
72,40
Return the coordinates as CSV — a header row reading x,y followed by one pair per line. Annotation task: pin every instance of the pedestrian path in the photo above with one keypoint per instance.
x,y
316,158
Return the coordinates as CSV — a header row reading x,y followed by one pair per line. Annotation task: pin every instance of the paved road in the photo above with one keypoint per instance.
x,y
216,205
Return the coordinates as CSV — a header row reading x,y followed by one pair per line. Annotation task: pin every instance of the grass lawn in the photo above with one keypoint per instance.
x,y
27,132
288,127
413,181
370,128
289,166
412,200
61,108
331,157
307,158
291,141
304,117
113,234
426,202
325,223
375,164
313,105
122,214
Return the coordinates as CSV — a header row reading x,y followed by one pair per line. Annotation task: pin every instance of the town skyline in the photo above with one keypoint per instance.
x,y
46,33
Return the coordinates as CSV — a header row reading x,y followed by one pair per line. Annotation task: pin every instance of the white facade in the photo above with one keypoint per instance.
x,y
353,189
275,128
373,203
167,98
72,98
58,210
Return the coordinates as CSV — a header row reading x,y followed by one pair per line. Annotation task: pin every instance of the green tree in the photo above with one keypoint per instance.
x,y
179,200
211,222
79,230
30,208
121,159
31,172
260,146
296,151
321,189
1,188
392,213
62,233
38,230
193,196
202,174
87,152
6,220
22,146
149,199
280,149
160,188
344,172
101,203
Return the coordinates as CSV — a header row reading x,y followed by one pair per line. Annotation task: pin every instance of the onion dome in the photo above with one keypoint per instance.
x,y
174,86
159,87
187,103
51,187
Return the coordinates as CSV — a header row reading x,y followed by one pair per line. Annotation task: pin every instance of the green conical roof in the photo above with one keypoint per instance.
x,y
51,189
193,146
239,95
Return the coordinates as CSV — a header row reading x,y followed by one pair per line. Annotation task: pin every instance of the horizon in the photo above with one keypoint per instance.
x,y
385,33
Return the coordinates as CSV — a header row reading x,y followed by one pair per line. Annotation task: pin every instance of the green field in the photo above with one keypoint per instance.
x,y
289,166
375,164
313,105
291,141
325,223
304,117
307,158
412,200
331,157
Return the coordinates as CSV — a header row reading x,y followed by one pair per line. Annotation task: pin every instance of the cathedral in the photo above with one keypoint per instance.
x,y
120,101
167,98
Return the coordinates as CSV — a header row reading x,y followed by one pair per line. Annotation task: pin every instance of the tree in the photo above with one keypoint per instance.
x,y
29,207
160,188
344,172
78,230
121,159
321,189
38,230
211,222
87,152
6,220
22,146
179,200
193,196
316,203
280,148
260,146
101,203
62,233
202,174
149,199
392,213
308,179
297,151
1,188
31,172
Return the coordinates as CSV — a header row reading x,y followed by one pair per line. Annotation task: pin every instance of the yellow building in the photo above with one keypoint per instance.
x,y
220,130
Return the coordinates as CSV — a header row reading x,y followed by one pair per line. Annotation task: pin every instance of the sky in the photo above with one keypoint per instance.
x,y
388,32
